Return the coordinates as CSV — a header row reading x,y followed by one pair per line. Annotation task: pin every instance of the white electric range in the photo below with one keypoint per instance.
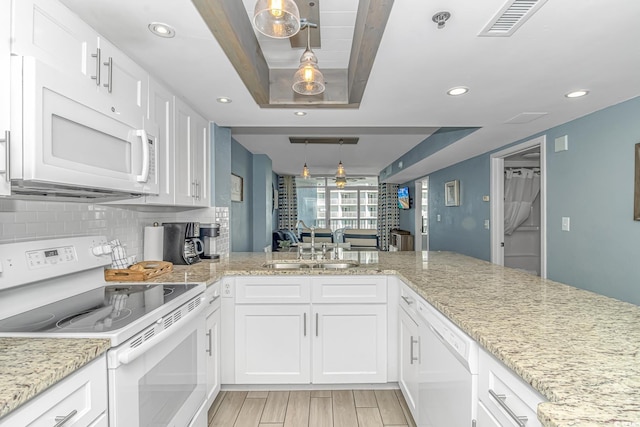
x,y
156,366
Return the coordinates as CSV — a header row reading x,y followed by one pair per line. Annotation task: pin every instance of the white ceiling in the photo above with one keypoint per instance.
x,y
566,45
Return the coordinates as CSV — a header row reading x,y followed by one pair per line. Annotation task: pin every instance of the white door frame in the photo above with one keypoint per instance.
x,y
417,206
497,200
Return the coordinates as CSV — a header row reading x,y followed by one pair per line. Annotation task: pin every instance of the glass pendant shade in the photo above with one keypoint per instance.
x,y
340,173
279,19
308,80
306,174
341,182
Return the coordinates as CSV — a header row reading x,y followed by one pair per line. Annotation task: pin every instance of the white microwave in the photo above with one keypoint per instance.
x,y
63,146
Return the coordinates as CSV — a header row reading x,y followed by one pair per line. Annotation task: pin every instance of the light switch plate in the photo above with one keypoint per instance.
x,y
438,218
485,198
486,224
566,223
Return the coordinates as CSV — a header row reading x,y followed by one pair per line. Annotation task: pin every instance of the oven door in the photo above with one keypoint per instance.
x,y
161,382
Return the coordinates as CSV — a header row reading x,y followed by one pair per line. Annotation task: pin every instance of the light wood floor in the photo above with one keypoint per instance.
x,y
318,408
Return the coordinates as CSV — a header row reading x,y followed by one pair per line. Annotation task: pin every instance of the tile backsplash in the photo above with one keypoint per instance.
x,y
22,220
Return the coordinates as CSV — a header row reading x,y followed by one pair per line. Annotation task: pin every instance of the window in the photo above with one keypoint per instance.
x,y
322,204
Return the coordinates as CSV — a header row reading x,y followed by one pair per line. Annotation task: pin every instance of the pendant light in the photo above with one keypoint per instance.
x,y
308,80
306,174
341,176
278,19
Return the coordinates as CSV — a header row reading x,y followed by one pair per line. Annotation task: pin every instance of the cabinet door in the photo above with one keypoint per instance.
x,y
212,329
200,160
5,90
124,85
160,111
272,344
409,359
485,419
350,344
184,182
50,32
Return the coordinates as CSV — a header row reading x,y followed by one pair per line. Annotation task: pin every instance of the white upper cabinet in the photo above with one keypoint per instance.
x,y
160,112
50,32
191,157
5,88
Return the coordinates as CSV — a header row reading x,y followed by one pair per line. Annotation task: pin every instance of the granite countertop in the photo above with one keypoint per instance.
x,y
579,349
30,365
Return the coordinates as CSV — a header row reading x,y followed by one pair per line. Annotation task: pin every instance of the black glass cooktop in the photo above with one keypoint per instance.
x,y
101,310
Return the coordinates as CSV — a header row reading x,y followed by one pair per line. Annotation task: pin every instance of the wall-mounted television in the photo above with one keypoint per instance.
x,y
403,198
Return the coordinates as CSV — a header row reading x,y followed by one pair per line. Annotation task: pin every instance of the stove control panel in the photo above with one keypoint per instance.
x,y
52,256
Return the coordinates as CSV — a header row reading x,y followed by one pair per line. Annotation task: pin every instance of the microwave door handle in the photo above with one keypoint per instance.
x,y
130,355
144,175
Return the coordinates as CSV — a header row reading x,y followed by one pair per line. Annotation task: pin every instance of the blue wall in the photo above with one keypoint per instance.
x,y
461,228
241,213
221,164
592,183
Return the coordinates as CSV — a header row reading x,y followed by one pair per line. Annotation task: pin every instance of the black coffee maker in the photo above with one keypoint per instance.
x,y
182,244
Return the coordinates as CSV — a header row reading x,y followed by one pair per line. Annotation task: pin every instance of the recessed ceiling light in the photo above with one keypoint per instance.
x,y
162,30
300,113
224,100
577,93
456,91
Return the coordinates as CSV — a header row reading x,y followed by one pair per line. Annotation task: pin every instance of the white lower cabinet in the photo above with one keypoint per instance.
x,y
81,398
409,361
273,344
505,399
349,343
300,330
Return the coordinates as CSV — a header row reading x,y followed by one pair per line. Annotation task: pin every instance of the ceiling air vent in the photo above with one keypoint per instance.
x,y
511,17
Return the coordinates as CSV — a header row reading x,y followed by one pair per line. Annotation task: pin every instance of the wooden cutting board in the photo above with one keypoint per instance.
x,y
138,272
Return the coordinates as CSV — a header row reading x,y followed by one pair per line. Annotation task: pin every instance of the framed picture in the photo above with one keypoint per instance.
x,y
237,187
452,193
636,199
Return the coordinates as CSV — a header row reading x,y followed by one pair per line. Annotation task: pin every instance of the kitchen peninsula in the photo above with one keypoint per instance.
x,y
578,349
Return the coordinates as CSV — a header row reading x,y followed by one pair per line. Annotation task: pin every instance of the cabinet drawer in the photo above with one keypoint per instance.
x,y
85,392
409,300
349,289
272,290
497,383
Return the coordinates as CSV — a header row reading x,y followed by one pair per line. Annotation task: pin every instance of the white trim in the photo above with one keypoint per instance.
x,y
417,219
497,200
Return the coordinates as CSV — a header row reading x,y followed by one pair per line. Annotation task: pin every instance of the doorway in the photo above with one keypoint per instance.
x,y
520,242
422,215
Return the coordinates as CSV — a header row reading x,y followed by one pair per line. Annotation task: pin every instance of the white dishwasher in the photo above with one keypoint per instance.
x,y
448,380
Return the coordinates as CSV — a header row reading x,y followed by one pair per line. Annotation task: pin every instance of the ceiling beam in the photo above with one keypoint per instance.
x,y
229,23
370,24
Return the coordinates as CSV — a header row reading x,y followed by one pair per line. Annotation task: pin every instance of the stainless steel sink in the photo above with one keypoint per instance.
x,y
283,265
301,264
338,265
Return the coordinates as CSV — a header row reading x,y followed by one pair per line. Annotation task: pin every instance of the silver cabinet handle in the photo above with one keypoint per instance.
x,y
407,299
7,153
193,189
212,300
305,324
109,83
60,421
316,324
521,421
98,66
209,350
412,357
197,189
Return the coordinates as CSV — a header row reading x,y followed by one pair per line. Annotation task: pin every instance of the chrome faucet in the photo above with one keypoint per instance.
x,y
313,237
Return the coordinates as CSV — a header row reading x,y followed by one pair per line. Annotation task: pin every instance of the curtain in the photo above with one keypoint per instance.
x,y
388,213
521,187
287,203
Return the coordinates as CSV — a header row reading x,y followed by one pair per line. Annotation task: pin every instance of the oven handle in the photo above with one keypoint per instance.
x,y
130,355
